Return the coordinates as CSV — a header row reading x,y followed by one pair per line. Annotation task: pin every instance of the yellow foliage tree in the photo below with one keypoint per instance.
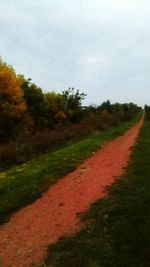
x,y
12,105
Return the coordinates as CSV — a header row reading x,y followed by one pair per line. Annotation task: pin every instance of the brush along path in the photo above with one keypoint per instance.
x,y
24,240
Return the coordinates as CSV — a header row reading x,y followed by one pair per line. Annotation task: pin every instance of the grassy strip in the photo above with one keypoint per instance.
x,y
118,231
22,185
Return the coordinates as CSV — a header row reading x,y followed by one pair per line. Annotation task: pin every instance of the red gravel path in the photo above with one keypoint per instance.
x,y
24,239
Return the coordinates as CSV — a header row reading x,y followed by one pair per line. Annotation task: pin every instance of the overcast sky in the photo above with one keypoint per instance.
x,y
101,47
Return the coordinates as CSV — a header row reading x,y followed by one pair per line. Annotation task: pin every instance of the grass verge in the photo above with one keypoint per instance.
x,y
118,232
25,183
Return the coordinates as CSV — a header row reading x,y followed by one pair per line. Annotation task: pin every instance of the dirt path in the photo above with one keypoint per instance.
x,y
23,241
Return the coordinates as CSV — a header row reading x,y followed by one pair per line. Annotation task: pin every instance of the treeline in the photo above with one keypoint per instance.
x,y
33,122
147,112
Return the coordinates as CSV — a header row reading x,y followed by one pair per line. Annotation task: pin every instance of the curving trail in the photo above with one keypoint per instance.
x,y
24,240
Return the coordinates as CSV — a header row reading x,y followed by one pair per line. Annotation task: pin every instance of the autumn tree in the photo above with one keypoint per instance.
x,y
12,105
55,112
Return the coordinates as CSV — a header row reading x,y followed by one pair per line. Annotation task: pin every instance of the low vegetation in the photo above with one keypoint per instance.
x,y
23,184
117,233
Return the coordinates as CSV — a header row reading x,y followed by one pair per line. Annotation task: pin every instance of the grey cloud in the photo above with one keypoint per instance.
x,y
100,47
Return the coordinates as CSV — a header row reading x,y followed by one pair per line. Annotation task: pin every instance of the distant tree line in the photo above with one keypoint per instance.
x,y
32,122
147,112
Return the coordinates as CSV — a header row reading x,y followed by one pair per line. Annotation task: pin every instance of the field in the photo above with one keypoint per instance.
x,y
117,234
116,231
23,184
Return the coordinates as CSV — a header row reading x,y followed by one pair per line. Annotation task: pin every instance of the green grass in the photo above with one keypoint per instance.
x,y
23,184
118,233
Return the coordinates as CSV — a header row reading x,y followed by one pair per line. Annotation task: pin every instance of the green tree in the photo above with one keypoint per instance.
x,y
106,106
35,102
72,103
147,112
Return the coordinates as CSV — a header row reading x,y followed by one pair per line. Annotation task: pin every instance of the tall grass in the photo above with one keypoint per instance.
x,y
29,145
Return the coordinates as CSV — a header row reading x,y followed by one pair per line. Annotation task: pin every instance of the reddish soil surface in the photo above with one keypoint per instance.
x,y
24,240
